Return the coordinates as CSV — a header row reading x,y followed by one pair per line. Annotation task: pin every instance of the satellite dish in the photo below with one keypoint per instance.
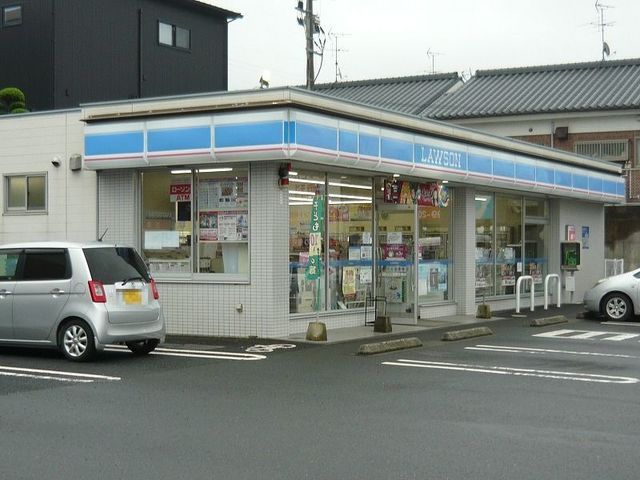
x,y
605,49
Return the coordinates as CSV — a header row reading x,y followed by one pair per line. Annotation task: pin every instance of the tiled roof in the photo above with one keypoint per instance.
x,y
578,87
410,95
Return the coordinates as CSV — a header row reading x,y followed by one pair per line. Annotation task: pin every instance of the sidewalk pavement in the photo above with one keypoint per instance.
x,y
366,333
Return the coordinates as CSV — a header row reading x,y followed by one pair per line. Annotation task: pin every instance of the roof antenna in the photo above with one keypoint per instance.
x,y
601,26
103,234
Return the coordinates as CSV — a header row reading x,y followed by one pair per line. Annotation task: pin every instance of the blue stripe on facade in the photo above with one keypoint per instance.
x,y
525,172
317,136
369,145
267,133
179,139
595,184
609,187
348,141
114,143
503,168
580,181
396,149
621,189
480,164
544,175
563,179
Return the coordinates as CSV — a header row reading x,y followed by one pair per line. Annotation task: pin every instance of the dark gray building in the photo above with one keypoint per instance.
x,y
62,53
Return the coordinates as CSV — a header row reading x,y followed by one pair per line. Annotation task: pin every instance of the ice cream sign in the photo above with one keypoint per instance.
x,y
180,192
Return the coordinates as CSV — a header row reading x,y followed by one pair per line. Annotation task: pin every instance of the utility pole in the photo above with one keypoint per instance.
x,y
308,31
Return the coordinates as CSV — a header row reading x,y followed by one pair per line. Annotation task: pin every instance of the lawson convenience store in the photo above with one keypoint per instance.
x,y
430,217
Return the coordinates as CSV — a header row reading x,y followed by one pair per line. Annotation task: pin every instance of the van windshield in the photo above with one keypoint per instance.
x,y
111,265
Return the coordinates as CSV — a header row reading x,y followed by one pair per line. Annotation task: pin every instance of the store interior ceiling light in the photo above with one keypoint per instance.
x,y
293,174
300,199
350,185
331,195
202,170
481,199
304,180
299,204
349,202
396,175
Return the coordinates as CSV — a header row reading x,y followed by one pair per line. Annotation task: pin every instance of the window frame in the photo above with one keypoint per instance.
x,y
194,273
11,23
25,209
602,146
174,36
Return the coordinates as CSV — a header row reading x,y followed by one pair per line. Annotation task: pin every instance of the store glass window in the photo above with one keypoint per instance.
x,y
434,253
223,220
508,243
166,223
196,221
306,292
350,222
485,268
536,234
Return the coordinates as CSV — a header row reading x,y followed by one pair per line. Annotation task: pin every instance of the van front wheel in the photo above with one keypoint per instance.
x,y
143,347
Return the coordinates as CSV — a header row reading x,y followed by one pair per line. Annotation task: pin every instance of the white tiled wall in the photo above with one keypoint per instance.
x,y
464,249
28,144
209,309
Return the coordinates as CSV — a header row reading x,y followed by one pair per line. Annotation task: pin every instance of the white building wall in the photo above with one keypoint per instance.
x,y
464,250
581,214
523,125
29,143
208,308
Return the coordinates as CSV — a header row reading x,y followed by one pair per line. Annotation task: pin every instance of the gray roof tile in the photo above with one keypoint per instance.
x,y
576,87
410,95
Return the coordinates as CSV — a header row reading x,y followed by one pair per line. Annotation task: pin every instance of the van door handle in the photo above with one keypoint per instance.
x,y
5,292
56,291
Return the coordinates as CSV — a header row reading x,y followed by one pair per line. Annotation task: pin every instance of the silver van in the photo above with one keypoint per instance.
x,y
77,297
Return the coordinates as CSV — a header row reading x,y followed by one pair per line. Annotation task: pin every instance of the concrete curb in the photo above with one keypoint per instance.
x,y
389,346
467,333
541,322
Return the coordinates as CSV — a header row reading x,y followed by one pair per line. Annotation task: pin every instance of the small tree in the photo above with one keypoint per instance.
x,y
12,100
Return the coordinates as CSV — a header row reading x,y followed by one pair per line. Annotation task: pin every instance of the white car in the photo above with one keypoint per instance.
x,y
616,297
77,297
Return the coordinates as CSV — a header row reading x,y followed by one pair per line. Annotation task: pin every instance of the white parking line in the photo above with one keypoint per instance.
x,y
57,375
523,372
176,352
622,324
543,351
588,335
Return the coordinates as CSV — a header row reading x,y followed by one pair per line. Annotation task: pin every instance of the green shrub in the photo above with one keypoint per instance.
x,y
10,95
16,105
19,110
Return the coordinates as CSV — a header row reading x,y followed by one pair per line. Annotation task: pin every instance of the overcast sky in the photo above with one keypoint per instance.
x,y
391,38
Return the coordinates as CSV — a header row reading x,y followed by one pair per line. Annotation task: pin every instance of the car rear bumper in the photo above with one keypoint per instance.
x,y
128,332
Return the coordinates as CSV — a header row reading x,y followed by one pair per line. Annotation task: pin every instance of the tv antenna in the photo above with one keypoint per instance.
x,y
335,37
601,26
432,56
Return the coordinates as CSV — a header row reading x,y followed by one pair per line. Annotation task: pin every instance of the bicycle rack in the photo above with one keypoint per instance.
x,y
518,283
546,289
373,301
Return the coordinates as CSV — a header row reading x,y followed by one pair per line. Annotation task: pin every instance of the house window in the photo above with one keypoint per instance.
x,y
11,15
613,150
174,36
25,193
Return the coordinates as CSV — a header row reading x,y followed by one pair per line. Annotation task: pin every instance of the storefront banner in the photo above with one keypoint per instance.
x,y
180,192
394,251
314,268
422,194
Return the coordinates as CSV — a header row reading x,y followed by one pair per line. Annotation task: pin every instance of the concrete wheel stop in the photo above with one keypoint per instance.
x,y
541,322
389,346
466,333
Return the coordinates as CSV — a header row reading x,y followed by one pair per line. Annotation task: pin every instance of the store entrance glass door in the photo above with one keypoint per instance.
x,y
396,262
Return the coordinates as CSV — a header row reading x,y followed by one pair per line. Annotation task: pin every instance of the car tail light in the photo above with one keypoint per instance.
x,y
154,289
98,295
